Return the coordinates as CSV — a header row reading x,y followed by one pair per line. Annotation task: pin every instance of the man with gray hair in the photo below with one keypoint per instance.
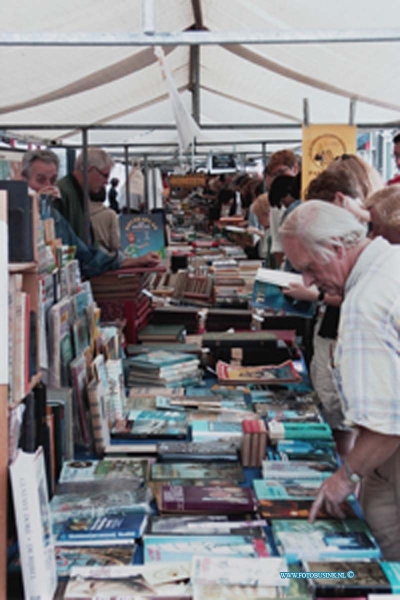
x,y
329,246
71,187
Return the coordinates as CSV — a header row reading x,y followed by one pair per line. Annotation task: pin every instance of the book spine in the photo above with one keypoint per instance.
x,y
100,429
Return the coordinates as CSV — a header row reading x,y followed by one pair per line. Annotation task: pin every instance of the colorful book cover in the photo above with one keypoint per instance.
x,y
215,430
328,539
119,527
297,509
107,468
142,233
306,414
289,489
172,548
159,359
92,556
97,498
193,470
281,430
207,499
162,415
268,374
305,449
142,581
299,469
353,578
150,429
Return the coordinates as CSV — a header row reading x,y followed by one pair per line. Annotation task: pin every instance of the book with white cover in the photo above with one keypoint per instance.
x,y
33,518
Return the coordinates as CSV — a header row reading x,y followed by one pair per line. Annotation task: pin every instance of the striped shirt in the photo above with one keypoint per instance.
x,y
367,358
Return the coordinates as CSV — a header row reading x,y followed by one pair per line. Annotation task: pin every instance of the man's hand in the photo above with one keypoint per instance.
x,y
331,494
51,190
151,259
301,292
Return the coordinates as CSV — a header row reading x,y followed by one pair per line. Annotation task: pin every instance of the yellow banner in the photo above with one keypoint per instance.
x,y
321,145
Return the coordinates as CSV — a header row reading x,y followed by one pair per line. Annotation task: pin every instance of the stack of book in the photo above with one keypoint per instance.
x,y
160,368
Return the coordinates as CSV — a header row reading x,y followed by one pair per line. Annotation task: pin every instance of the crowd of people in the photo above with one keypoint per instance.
x,y
343,239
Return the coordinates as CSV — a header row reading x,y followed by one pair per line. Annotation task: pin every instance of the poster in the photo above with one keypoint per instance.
x,y
321,145
142,233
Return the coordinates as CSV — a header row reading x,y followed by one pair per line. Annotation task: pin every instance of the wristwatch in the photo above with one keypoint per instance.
x,y
354,477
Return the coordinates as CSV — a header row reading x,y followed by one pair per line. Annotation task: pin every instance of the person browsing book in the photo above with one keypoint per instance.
x,y
39,169
331,249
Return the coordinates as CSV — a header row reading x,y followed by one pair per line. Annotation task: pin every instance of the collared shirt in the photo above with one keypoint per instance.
x,y
367,359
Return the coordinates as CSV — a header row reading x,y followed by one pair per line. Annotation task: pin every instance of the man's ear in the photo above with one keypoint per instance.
x,y
340,199
340,251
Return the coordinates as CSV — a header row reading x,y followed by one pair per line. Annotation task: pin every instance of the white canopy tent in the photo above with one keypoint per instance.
x,y
90,64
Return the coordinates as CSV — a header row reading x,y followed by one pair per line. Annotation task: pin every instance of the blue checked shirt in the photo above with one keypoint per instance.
x,y
367,358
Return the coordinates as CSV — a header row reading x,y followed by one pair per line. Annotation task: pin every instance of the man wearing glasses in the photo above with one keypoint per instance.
x,y
71,205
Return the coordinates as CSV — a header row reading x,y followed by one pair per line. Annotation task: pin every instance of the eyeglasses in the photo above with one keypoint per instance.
x,y
105,175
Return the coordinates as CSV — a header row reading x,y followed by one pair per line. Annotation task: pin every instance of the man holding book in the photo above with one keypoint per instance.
x,y
40,168
329,246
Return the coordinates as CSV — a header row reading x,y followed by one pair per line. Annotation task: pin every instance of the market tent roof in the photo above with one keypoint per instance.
x,y
260,85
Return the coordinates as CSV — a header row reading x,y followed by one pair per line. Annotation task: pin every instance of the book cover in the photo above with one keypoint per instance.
x,y
34,525
107,468
268,374
170,548
281,430
97,498
142,581
272,297
297,509
149,429
301,414
142,233
81,408
306,450
207,499
199,451
92,556
299,469
348,578
163,332
98,415
159,359
138,414
205,525
120,527
203,430
328,539
230,570
286,489
193,470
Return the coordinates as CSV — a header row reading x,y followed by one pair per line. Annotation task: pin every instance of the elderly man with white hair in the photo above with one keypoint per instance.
x,y
329,246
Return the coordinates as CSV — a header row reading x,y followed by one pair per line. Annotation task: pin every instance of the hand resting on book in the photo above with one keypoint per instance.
x,y
151,259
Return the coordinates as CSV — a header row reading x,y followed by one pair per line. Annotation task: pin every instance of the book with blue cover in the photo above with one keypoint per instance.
x,y
121,527
203,430
160,359
142,233
306,449
329,539
282,430
107,468
150,428
299,469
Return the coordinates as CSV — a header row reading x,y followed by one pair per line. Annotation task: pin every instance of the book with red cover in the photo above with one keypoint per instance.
x,y
210,500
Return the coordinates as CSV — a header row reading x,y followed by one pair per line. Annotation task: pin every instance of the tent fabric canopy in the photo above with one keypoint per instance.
x,y
66,87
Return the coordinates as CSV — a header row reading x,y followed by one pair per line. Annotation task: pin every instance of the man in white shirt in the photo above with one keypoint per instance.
x,y
329,246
